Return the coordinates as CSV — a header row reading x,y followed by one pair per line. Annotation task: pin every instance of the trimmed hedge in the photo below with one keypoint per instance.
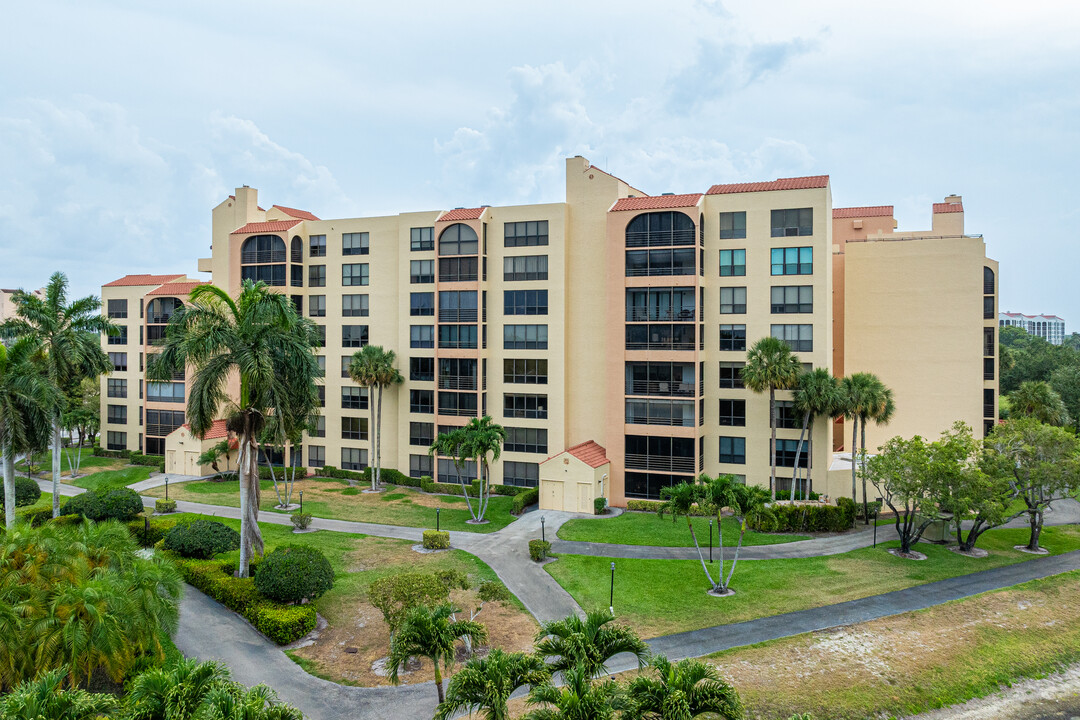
x,y
391,476
150,533
27,492
332,472
599,506
508,490
33,516
162,506
813,518
429,485
652,505
99,451
264,472
874,507
539,550
201,539
293,573
151,460
436,540
121,504
786,495
284,624
524,500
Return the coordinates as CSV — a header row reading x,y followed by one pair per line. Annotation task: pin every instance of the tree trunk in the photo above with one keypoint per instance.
x,y
701,557
742,532
250,537
798,454
8,459
1035,519
273,475
862,461
772,427
438,680
56,468
854,439
371,429
378,442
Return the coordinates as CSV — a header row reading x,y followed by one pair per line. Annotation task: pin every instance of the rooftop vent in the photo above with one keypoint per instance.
x,y
667,193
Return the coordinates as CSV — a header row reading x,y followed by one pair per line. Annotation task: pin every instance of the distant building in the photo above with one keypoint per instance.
x,y
7,307
1049,327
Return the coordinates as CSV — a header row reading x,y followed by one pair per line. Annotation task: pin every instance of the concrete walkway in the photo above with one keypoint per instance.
x,y
158,479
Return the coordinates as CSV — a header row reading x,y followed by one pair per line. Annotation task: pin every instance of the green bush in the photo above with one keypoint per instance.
x,y
264,472
27,492
301,520
162,506
292,573
786,495
524,500
284,624
436,540
231,566
351,491
391,476
873,507
139,459
239,594
599,506
33,516
121,504
148,531
539,550
395,595
493,591
102,452
651,505
201,539
332,472
812,518
429,485
508,490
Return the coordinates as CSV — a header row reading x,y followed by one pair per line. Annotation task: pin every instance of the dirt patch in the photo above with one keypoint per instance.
x,y
376,552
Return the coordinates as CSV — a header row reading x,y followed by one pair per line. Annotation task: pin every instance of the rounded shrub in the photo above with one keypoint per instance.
x,y
27,492
293,573
201,539
121,504
436,540
300,520
539,550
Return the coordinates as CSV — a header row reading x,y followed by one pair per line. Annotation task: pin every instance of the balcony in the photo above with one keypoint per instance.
x,y
456,315
250,257
988,410
660,239
660,463
457,382
660,388
653,314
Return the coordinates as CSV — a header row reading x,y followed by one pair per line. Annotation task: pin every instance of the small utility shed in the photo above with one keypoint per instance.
x,y
182,450
572,479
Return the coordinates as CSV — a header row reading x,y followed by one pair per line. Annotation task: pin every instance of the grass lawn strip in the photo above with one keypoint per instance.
x,y
325,498
112,478
646,528
661,597
89,463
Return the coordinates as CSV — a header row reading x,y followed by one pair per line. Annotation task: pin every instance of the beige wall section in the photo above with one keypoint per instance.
x,y
567,483
182,450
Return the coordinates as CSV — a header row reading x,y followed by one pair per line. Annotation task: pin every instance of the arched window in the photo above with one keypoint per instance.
x,y
158,312
297,250
988,281
660,228
255,255
458,239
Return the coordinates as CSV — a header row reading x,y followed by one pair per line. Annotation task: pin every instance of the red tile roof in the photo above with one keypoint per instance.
x,y
798,183
133,280
302,214
217,430
462,214
1032,317
176,288
587,452
656,202
266,227
863,212
948,208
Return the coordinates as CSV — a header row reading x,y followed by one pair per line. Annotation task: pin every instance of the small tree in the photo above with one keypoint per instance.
x,y
771,366
747,503
214,454
81,416
431,633
578,698
678,501
902,472
686,689
964,490
485,684
587,644
396,595
1037,399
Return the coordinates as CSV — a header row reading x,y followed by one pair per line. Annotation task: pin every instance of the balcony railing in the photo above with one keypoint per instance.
x,y
457,382
661,314
661,388
458,412
158,430
660,463
264,256
660,270
660,239
454,315
661,345
988,410
635,419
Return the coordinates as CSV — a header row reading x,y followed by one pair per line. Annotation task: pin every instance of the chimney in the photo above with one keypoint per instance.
x,y
247,205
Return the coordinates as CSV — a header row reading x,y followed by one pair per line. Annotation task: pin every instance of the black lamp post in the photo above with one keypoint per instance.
x,y
543,536
166,487
301,502
437,519
611,598
876,513
710,539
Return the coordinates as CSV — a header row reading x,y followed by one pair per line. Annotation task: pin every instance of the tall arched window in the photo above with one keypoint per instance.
x,y
458,239
158,313
660,228
262,257
297,250
988,281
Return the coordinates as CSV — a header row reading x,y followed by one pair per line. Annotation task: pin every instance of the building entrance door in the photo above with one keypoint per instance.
x,y
551,495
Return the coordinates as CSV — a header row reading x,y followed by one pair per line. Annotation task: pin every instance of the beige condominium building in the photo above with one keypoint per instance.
x,y
606,333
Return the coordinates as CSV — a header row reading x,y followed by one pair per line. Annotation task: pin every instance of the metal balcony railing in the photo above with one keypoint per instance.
x,y
265,256
635,419
451,315
660,314
457,382
660,239
660,270
988,410
660,463
661,388
458,412
661,345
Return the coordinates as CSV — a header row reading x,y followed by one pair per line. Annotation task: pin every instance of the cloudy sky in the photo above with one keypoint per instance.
x,y
123,123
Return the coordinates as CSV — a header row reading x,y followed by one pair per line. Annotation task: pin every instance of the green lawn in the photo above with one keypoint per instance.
x,y
659,597
639,528
112,478
44,461
325,498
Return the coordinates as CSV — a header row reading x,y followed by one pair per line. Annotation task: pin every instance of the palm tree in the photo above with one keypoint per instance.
x,y
1039,400
482,438
577,699
386,375
453,445
286,425
678,501
259,338
816,395
683,690
432,633
864,397
748,504
587,643
485,684
69,336
771,366
46,697
364,369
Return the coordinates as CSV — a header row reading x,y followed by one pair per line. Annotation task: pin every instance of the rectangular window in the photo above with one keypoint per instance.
x,y
321,360
733,450
660,412
732,300
800,338
525,337
525,267
354,305
421,433
422,369
988,368
521,474
457,336
346,361
525,302
298,303
316,276
319,431
457,403
422,336
661,336
117,309
422,401
422,304
317,246
525,406
354,428
353,459
117,414
661,303
732,225
733,337
354,274
660,378
165,391
988,307
525,234
457,306
733,413
421,271
786,417
449,472
732,263
793,261
320,330
354,243
457,269
354,335
422,238
316,456
792,299
525,372
117,388
269,274
163,422
420,466
322,392
121,338
658,263
296,275
316,305
526,440
786,450
664,454
988,342
794,222
354,398
116,440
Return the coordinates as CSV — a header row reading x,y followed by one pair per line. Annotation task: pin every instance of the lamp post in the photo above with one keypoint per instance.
x,y
166,487
611,598
301,502
876,513
543,536
710,539
437,519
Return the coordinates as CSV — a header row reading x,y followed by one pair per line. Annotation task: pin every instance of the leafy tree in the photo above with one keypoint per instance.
x,y
1037,399
477,440
578,698
770,365
1066,383
817,394
431,633
904,473
484,685
214,454
258,338
1028,358
374,367
1040,462
747,503
683,690
587,643
46,698
864,397
81,416
964,490
678,501
396,595
68,335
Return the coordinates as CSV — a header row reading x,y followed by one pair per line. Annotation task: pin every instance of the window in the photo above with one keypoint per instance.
x,y
525,234
457,336
262,249
458,239
354,305
165,392
117,309
525,372
354,243
732,263
525,406
353,459
163,422
296,275
525,337
121,338
732,300
420,465
988,368
320,330
421,271
660,228
421,433
422,238
800,338
354,335
733,413
795,222
457,374
317,305
269,274
525,267
422,336
346,361
457,403
660,378
656,263
449,472
733,450
321,360
155,446
117,388
521,474
354,398
988,403
786,450
422,369
786,417
732,225
988,281
665,454
793,261
660,303
354,428
422,304
354,274
525,302
649,485
988,307
793,299
317,246
316,276
116,440
457,269
661,337
117,414
298,303
322,392
733,337
422,401
319,431
660,412
526,440
457,306
988,342
316,456
731,374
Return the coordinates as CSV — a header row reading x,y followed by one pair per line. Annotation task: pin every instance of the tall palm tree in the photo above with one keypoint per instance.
x,y
587,643
364,370
747,503
387,375
453,445
482,438
46,697
286,425
70,338
862,396
878,406
432,633
678,501
770,365
259,338
816,395
683,690
485,684
579,698
1039,400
